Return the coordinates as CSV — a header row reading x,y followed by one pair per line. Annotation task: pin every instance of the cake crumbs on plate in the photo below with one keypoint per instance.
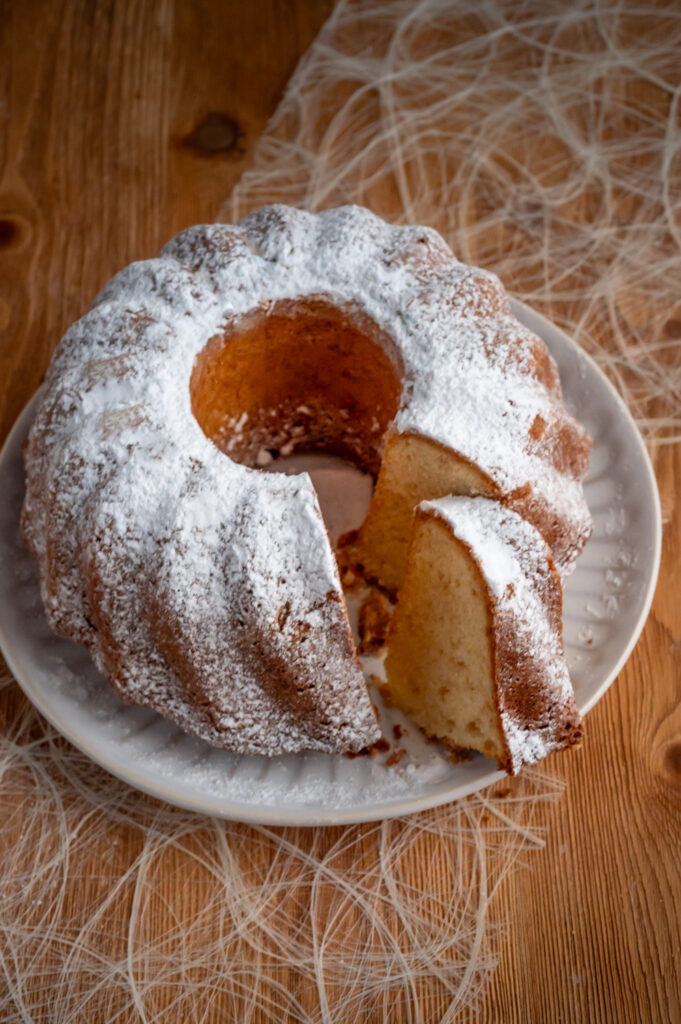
x,y
373,623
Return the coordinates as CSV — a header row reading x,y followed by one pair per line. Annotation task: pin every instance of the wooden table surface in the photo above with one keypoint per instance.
x,y
109,144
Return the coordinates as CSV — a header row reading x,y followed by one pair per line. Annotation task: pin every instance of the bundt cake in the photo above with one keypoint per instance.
x,y
475,650
207,589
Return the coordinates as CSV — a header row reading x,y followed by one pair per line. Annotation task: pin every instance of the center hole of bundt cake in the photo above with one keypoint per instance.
x,y
304,376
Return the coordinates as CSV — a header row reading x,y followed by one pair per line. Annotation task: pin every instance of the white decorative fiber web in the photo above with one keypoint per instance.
x,y
544,141
114,907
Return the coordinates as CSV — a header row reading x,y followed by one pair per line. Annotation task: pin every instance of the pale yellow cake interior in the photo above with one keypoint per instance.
x,y
413,469
439,662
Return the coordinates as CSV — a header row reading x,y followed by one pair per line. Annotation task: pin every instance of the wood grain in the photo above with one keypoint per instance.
x,y
102,158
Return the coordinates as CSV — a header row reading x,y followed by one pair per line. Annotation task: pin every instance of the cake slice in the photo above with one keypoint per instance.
x,y
475,649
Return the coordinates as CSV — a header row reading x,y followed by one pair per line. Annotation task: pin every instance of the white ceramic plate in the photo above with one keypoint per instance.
x,y
606,603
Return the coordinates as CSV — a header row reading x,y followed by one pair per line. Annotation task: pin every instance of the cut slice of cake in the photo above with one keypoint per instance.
x,y
475,649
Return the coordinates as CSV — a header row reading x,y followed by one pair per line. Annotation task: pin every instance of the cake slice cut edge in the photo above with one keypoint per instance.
x,y
475,650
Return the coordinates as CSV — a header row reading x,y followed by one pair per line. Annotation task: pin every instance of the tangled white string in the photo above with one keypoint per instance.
x,y
115,907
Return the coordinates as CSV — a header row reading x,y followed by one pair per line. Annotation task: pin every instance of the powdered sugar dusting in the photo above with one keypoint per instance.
x,y
509,551
185,573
